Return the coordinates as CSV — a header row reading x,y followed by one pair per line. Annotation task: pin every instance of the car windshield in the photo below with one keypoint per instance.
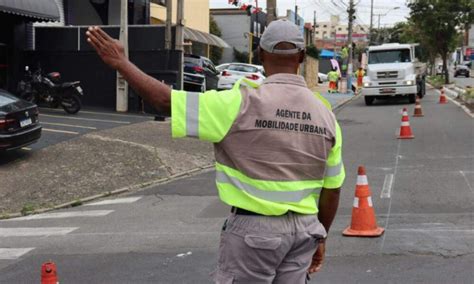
x,y
193,60
5,99
389,56
243,68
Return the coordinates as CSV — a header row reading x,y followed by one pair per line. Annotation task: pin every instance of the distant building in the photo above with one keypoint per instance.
x,y
235,25
334,30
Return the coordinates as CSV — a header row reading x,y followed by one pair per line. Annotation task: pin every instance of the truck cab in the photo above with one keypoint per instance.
x,y
393,70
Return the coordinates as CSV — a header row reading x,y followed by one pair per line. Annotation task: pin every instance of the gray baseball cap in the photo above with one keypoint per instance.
x,y
282,31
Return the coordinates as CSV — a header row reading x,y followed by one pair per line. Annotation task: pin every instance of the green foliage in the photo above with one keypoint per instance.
x,y
439,21
28,208
312,51
215,52
242,57
436,81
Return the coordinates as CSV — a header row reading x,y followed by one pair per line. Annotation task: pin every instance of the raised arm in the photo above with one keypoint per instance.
x,y
111,51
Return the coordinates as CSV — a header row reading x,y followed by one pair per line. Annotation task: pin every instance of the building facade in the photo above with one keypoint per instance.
x,y
196,14
236,25
333,29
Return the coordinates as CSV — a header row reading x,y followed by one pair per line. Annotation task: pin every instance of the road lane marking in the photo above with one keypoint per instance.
x,y
467,181
387,186
36,232
86,119
60,131
69,125
124,200
397,160
60,215
13,253
26,148
102,113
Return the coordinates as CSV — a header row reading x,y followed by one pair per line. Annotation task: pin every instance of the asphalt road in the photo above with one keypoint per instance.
x,y
463,81
170,233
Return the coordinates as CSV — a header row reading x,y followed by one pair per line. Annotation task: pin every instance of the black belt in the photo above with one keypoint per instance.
x,y
240,211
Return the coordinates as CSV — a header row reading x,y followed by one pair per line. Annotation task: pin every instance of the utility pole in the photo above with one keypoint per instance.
x,y
296,15
169,23
371,20
122,86
351,12
180,38
271,11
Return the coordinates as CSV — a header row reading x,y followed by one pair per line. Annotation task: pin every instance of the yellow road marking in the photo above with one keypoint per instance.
x,y
69,125
61,131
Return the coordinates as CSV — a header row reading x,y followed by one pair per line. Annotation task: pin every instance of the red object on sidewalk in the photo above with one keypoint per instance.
x,y
442,97
49,273
363,222
405,129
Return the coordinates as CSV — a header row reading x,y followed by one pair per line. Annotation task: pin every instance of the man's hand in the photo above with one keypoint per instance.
x,y
110,50
318,258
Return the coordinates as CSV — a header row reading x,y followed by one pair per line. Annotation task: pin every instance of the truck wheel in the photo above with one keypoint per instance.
x,y
412,98
369,100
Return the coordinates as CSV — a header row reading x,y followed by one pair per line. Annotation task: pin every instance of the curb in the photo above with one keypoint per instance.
x,y
463,107
130,188
345,102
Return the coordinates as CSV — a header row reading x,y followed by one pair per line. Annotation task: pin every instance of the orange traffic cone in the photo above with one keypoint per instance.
x,y
418,110
363,223
442,97
405,129
49,273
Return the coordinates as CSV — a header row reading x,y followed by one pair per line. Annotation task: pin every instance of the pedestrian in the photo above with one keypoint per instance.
x,y
359,74
333,77
278,158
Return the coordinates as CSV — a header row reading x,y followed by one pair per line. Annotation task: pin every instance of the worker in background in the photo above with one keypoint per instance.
x,y
359,74
333,77
278,158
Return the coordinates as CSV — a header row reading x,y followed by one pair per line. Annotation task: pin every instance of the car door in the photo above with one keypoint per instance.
x,y
211,75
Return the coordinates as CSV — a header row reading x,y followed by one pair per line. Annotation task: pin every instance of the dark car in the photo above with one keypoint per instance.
x,y
200,74
19,125
462,70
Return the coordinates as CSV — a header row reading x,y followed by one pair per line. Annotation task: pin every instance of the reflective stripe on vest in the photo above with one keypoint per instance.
x,y
273,196
192,114
334,170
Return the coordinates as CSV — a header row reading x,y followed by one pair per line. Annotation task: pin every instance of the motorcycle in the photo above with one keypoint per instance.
x,y
39,88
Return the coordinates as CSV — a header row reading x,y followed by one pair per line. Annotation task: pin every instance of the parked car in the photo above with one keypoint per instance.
x,y
322,77
200,74
462,70
221,67
19,124
236,71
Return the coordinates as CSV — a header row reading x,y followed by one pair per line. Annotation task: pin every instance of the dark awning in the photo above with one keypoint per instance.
x,y
202,37
43,10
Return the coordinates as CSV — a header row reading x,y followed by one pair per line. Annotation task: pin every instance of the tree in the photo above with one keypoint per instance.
x,y
440,22
215,52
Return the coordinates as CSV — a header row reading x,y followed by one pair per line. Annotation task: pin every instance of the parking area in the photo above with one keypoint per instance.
x,y
59,126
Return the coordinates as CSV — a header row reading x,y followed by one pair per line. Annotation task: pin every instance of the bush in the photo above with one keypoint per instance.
x,y
436,81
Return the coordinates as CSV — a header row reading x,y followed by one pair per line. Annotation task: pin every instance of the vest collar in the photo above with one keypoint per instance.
x,y
285,78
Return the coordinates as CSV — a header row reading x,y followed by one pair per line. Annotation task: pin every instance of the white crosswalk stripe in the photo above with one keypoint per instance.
x,y
13,253
36,232
124,200
59,215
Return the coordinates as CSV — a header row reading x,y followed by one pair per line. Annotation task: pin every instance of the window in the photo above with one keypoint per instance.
x,y
389,56
325,26
317,26
317,32
362,29
339,29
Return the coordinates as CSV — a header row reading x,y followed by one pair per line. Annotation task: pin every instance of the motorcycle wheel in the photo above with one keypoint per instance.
x,y
71,104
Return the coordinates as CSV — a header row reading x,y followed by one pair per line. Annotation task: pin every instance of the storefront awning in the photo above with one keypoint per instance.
x,y
43,10
202,37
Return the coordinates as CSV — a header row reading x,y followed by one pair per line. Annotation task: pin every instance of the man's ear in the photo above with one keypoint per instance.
x,y
302,56
260,54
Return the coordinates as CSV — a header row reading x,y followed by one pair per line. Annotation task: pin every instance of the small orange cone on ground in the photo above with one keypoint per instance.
x,y
418,110
405,129
49,273
363,223
442,97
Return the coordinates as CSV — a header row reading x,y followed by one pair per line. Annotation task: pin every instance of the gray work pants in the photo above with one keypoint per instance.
x,y
261,249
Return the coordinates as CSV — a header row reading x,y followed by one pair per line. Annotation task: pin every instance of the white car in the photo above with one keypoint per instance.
x,y
221,67
236,71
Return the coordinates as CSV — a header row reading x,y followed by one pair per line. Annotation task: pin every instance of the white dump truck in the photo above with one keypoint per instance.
x,y
393,70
